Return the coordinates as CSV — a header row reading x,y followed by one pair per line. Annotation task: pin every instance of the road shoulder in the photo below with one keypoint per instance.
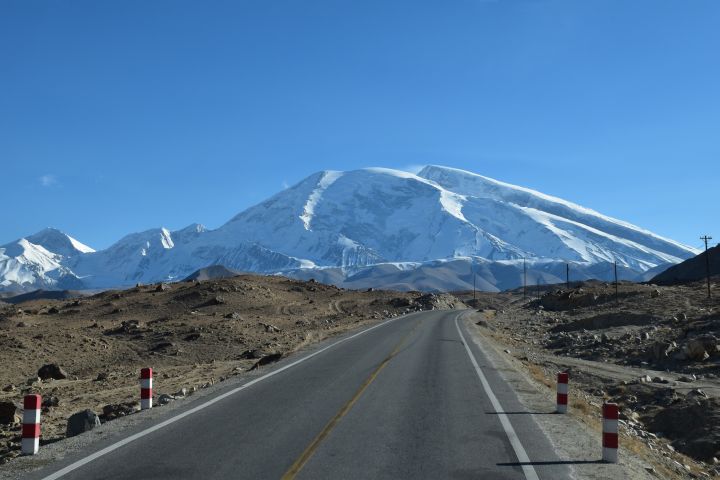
x,y
574,441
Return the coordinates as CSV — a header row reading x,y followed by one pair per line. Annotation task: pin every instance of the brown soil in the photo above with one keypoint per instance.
x,y
192,334
654,350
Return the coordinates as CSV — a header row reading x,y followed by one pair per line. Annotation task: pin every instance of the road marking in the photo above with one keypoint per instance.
x,y
147,431
312,448
520,453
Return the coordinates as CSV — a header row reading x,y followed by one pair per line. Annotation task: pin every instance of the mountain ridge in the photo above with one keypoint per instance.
x,y
345,222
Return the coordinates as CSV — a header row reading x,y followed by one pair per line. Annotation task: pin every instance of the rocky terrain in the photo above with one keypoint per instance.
x,y
655,350
86,353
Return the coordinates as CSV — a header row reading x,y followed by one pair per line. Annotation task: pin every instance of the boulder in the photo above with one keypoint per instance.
x,y
52,370
8,413
661,350
695,350
82,422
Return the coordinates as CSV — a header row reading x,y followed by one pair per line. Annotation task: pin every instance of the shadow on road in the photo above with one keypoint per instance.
x,y
550,462
521,413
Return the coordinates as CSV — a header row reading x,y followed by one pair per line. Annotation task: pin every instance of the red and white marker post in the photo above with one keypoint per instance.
x,y
145,388
562,392
31,424
610,432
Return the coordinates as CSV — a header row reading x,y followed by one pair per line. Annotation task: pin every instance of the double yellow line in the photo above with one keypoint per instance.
x,y
310,450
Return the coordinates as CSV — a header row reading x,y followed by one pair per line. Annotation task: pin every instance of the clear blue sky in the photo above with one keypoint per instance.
x,y
121,116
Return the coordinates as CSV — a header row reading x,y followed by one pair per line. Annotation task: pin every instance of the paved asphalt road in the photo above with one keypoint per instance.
x,y
401,401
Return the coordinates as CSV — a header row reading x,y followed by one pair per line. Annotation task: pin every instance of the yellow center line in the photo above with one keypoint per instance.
x,y
310,450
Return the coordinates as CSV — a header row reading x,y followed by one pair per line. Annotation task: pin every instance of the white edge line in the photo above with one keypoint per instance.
x,y
147,431
522,457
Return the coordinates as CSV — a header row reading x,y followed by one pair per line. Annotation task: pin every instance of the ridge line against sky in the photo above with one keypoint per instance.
x,y
118,118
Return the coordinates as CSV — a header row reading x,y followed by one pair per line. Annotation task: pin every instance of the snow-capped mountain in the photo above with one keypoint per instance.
x,y
39,261
369,227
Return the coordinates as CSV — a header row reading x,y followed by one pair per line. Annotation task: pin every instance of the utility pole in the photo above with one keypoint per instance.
x,y
567,275
707,261
617,299
524,279
472,270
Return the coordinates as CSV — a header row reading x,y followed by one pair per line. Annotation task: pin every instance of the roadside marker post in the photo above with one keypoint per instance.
x,y
30,444
145,388
610,432
562,392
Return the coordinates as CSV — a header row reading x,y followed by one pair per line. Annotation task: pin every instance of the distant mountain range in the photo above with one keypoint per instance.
x,y
373,227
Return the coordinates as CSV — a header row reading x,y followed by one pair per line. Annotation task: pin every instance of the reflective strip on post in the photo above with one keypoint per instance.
x,y
145,388
610,432
562,392
30,444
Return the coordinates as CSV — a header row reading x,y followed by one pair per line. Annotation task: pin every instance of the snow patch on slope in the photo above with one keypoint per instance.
x,y
81,247
328,178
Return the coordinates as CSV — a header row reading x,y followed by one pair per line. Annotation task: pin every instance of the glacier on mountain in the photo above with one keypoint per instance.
x,y
371,227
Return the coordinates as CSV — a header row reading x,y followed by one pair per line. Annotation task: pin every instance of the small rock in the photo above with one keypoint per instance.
x,y
697,393
9,388
51,401
645,379
113,411
21,324
82,422
101,377
181,393
507,351
233,316
162,287
270,328
655,293
164,399
217,300
52,370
